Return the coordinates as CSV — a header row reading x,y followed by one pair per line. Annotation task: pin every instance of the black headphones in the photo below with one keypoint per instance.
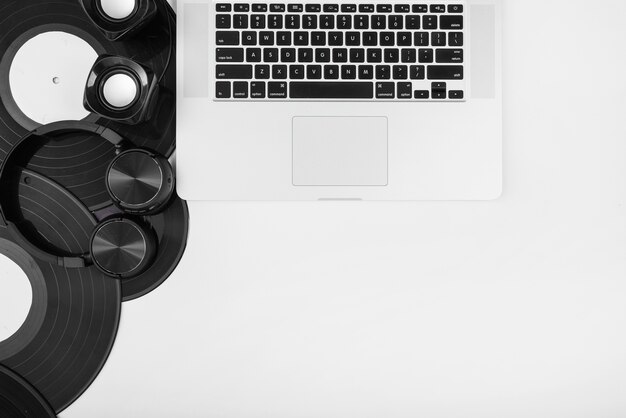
x,y
138,181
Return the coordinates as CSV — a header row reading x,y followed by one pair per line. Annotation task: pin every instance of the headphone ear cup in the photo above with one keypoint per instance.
x,y
119,19
140,182
123,248
121,89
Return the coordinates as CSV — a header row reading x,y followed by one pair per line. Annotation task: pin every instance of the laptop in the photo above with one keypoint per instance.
x,y
332,101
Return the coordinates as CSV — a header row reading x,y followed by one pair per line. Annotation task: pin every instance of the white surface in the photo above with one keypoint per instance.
x,y
16,297
339,151
243,150
48,76
119,90
118,9
512,308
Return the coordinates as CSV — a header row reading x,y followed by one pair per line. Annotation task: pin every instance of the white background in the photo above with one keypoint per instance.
x,y
511,308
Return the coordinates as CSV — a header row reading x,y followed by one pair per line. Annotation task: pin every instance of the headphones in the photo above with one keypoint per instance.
x,y
139,182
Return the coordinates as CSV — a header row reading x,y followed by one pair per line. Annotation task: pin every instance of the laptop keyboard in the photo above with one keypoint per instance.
x,y
343,51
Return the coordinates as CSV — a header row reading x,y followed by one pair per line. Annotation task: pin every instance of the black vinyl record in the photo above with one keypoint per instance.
x,y
73,320
21,20
18,399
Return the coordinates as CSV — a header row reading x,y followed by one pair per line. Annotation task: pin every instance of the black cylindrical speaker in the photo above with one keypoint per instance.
x,y
119,19
121,89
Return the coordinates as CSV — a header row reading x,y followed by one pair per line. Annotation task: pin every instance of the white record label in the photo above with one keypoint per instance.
x,y
48,76
16,296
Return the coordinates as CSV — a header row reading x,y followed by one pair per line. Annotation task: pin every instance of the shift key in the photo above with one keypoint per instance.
x,y
235,72
229,55
445,72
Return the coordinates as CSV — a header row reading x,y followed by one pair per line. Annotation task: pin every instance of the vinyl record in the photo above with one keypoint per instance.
x,y
18,399
73,320
75,164
172,227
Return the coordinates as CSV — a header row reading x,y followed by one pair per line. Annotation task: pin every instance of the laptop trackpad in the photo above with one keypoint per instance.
x,y
339,151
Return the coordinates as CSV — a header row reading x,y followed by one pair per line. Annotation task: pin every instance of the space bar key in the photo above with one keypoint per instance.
x,y
331,90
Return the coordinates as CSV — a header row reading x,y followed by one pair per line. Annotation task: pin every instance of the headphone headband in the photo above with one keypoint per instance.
x,y
50,131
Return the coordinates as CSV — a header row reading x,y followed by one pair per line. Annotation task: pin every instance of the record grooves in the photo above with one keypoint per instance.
x,y
19,399
78,311
58,193
21,20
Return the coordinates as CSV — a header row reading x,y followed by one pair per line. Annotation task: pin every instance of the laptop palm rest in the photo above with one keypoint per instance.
x,y
340,151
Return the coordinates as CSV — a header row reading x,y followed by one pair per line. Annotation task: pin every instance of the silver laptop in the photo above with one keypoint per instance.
x,y
327,100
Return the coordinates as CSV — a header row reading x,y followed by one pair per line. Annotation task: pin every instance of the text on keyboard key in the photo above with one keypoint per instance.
x,y
234,71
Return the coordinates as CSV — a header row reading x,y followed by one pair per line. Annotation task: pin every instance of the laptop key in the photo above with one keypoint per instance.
x,y
405,90
437,8
277,8
451,22
385,90
240,90
277,90
275,22
222,21
257,89
295,8
229,55
417,72
455,94
248,38
266,38
283,38
412,22
400,72
455,39
226,38
430,22
253,54
425,55
240,21
222,89
241,7
421,94
257,22
348,8
402,8
331,90
366,8
292,22
314,72
344,22
262,72
445,72
408,55
449,55
234,71
296,72
222,7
